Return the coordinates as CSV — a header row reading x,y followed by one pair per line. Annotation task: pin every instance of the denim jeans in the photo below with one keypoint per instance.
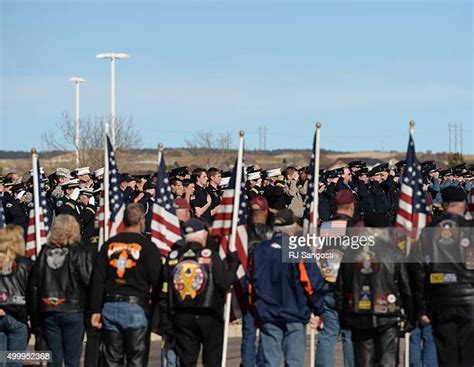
x,y
123,316
422,347
64,333
250,354
288,338
169,358
13,336
327,338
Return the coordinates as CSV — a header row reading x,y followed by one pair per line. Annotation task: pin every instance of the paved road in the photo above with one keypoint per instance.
x,y
233,358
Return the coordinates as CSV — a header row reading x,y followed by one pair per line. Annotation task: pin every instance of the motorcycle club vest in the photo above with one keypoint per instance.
x,y
332,249
374,290
14,282
191,281
450,257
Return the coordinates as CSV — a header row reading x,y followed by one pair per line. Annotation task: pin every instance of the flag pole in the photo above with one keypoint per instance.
x,y
407,251
160,154
314,225
36,199
106,185
233,234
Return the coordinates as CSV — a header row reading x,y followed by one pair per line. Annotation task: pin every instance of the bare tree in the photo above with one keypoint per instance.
x,y
91,138
216,148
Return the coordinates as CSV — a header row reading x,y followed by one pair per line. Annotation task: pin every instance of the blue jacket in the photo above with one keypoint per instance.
x,y
282,292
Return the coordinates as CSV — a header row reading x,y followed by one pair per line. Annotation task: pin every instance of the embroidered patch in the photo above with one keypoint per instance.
x,y
206,253
189,279
123,256
55,257
3,296
173,254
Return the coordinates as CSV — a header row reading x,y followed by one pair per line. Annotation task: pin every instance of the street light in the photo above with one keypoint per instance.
x,y
77,81
112,56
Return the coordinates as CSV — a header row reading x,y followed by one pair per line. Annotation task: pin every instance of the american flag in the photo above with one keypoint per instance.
x,y
333,228
44,219
165,228
115,196
2,215
412,213
99,217
222,224
310,203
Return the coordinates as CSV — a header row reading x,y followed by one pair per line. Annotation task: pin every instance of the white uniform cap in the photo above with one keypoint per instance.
x,y
274,172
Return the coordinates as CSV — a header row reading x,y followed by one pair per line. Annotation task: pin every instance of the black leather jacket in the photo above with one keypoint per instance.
x,y
60,279
372,293
443,265
13,289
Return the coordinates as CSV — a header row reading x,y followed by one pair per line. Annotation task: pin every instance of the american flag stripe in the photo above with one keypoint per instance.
x,y
31,241
412,213
114,196
222,225
165,227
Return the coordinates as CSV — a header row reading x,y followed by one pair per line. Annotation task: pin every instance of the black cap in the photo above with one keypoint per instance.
x,y
149,185
453,194
126,177
356,164
193,225
18,187
179,171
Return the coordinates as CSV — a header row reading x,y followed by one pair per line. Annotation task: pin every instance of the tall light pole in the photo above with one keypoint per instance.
x,y
112,56
77,81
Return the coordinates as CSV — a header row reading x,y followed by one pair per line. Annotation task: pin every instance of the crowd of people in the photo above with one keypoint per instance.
x,y
120,292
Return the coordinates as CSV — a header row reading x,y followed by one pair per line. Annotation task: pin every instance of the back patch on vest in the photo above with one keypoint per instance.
x,y
55,257
189,279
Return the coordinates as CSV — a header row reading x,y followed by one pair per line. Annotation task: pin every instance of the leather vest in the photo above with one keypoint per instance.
x,y
450,258
13,286
371,274
191,283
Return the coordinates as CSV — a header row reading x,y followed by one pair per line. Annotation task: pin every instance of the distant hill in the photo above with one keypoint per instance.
x,y
144,160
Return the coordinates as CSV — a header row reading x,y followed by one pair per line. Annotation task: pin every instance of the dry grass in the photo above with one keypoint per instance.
x,y
138,162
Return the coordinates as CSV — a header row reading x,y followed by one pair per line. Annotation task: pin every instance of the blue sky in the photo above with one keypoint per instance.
x,y
362,68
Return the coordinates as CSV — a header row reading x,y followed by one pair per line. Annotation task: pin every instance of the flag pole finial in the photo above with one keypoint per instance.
x,y
318,125
241,133
412,124
160,147
33,150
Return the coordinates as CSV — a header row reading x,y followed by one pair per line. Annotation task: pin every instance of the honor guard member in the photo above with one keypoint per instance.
x,y
15,211
372,289
196,280
69,203
273,192
444,280
214,189
127,186
202,201
379,202
253,186
86,215
61,176
149,189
